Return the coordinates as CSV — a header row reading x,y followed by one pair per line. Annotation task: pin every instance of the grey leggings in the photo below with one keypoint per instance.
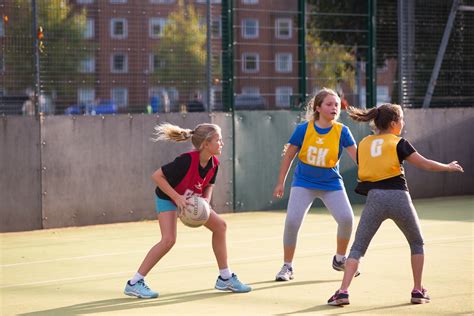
x,y
299,203
387,204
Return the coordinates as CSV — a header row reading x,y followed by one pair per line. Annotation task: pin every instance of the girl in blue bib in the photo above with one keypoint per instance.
x,y
319,143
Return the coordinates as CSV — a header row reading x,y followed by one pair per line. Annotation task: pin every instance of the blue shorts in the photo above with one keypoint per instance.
x,y
164,205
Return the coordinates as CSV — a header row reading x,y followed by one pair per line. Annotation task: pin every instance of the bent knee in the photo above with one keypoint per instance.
x,y
168,242
417,248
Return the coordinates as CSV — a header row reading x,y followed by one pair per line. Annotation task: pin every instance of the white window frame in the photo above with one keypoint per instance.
x,y
173,94
151,63
244,62
152,22
85,96
87,65
218,21
283,96
251,91
112,64
383,94
162,1
245,28
279,63
113,92
278,28
89,31
113,21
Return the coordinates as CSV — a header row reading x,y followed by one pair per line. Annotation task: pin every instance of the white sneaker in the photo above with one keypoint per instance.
x,y
285,274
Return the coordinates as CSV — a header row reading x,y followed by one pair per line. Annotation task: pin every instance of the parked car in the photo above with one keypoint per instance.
x,y
195,106
104,107
249,102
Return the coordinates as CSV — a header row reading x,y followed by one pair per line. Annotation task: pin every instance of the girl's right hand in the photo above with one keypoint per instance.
x,y
279,190
455,167
181,202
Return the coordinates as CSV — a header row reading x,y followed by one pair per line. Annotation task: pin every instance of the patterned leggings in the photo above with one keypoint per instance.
x,y
387,204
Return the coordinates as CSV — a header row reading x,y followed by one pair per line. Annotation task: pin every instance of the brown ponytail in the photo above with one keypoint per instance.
x,y
381,116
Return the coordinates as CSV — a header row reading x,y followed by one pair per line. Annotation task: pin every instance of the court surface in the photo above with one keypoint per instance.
x,y
82,271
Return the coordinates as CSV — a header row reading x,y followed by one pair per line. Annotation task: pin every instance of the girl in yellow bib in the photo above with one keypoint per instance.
x,y
319,143
382,179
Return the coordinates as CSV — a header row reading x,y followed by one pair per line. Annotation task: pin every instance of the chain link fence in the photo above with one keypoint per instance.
x,y
122,56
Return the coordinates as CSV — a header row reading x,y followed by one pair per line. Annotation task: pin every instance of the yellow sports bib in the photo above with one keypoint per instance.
x,y
321,150
378,159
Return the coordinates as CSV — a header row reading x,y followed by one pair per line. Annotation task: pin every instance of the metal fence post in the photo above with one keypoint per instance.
x,y
371,66
302,49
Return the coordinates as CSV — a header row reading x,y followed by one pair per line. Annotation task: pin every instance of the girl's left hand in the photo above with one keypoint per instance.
x,y
454,166
278,191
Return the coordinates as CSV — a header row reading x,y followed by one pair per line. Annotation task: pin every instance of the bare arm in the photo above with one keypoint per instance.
x,y
285,166
164,186
352,152
207,193
421,162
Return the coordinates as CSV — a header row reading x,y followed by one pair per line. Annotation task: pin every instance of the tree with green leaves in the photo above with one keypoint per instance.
x,y
60,51
331,63
182,51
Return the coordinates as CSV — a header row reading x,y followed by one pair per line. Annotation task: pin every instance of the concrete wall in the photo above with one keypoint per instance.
x,y
93,169
443,135
20,181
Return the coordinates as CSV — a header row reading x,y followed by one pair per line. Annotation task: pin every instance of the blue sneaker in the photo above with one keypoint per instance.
x,y
140,290
233,284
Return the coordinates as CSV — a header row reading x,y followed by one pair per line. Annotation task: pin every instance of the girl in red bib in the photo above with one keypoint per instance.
x,y
192,173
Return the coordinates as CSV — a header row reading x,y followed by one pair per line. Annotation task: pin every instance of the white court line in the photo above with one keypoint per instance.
x,y
145,250
208,263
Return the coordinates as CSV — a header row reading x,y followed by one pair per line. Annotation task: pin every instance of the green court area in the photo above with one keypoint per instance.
x,y
82,271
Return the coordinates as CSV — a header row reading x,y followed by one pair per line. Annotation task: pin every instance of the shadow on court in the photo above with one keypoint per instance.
x,y
129,303
340,309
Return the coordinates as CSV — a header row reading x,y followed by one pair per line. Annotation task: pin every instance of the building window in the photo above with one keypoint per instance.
x,y
162,1
216,27
283,28
283,62
251,90
87,65
118,1
119,63
120,96
2,28
250,62
283,95
174,95
249,28
85,96
89,32
118,28
156,27
249,1
155,63
85,1
204,1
